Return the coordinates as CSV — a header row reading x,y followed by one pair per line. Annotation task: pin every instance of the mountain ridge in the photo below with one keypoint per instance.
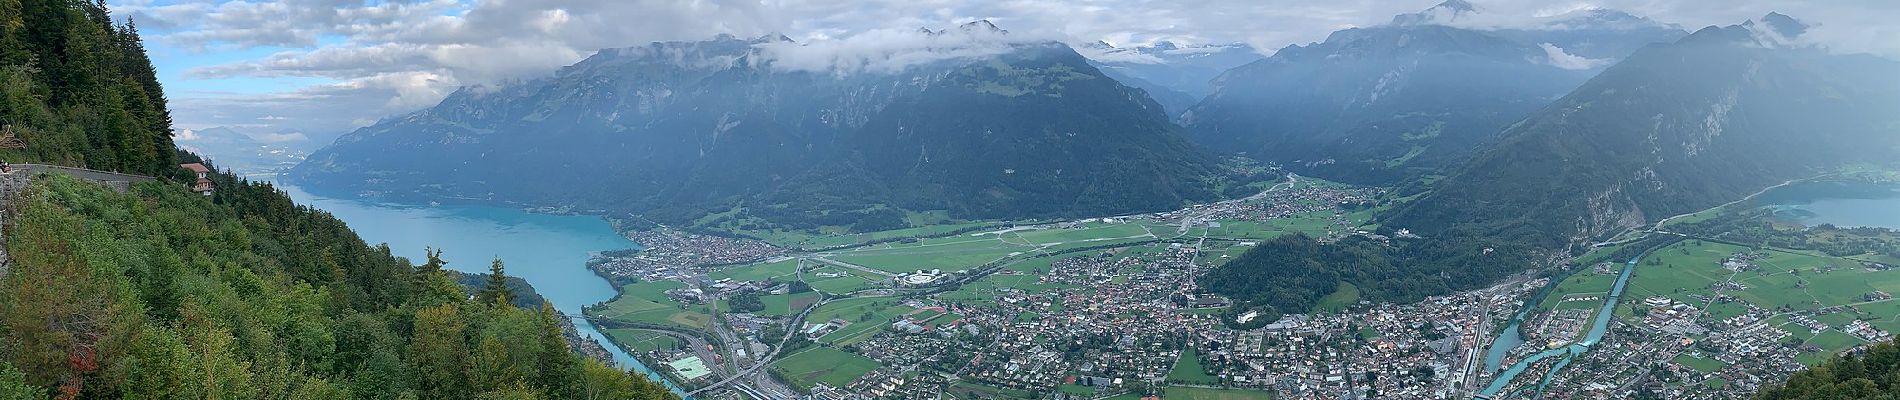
x,y
1386,103
682,129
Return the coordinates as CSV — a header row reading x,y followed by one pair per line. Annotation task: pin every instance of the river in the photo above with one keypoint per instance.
x,y
1840,203
549,251
1569,352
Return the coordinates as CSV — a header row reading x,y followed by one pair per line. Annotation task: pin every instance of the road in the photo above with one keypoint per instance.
x,y
82,173
791,329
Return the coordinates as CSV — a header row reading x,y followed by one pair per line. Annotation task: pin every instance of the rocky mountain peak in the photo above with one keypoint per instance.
x,y
1447,12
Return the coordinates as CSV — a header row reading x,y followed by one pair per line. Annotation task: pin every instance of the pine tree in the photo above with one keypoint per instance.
x,y
559,368
431,267
492,369
496,290
439,353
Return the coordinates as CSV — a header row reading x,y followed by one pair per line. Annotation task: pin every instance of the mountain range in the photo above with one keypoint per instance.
x,y
986,126
1384,103
1177,76
1674,128
251,152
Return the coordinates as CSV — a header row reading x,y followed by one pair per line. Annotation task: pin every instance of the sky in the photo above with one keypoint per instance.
x,y
329,66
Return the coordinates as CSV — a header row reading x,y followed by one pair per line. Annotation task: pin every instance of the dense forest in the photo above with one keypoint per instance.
x,y
161,293
1874,374
1290,274
79,90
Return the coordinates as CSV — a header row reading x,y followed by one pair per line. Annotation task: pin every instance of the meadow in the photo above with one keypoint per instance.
x,y
826,365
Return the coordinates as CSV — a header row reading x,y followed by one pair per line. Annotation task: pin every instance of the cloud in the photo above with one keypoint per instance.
x,y
890,50
185,135
1557,57
280,137
382,57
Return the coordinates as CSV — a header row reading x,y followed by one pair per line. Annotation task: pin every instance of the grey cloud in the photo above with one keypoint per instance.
x,y
888,50
452,43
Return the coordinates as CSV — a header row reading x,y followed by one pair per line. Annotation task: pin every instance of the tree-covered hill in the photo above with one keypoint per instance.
x,y
1675,128
161,293
79,90
1872,375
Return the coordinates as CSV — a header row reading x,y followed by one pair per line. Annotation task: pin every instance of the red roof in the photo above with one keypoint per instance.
x,y
196,167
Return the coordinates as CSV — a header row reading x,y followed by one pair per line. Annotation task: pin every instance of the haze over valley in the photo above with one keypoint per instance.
x,y
1119,199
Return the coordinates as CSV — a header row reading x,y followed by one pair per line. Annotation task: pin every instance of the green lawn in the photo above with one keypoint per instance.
x,y
949,254
782,305
779,271
646,302
1342,297
1088,232
840,285
1585,283
1703,364
1078,390
867,316
971,390
642,341
1195,393
983,291
824,365
1188,369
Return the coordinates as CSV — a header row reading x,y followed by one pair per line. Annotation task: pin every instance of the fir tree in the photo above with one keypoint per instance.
x,y
496,290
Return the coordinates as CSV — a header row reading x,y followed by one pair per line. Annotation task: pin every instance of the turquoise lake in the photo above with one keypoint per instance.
x,y
1844,204
549,251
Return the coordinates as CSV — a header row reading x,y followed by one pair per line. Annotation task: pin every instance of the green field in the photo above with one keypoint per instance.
x,y
1344,296
1075,390
782,305
1585,283
777,271
1703,364
1188,370
867,315
823,365
1196,393
1088,232
970,390
643,340
949,254
646,302
972,250
1316,223
983,291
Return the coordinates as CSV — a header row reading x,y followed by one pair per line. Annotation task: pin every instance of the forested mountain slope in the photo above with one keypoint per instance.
x,y
1675,128
677,130
162,293
1380,104
1871,375
79,90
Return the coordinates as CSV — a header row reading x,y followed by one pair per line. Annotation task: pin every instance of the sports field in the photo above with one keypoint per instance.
x,y
643,340
820,364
